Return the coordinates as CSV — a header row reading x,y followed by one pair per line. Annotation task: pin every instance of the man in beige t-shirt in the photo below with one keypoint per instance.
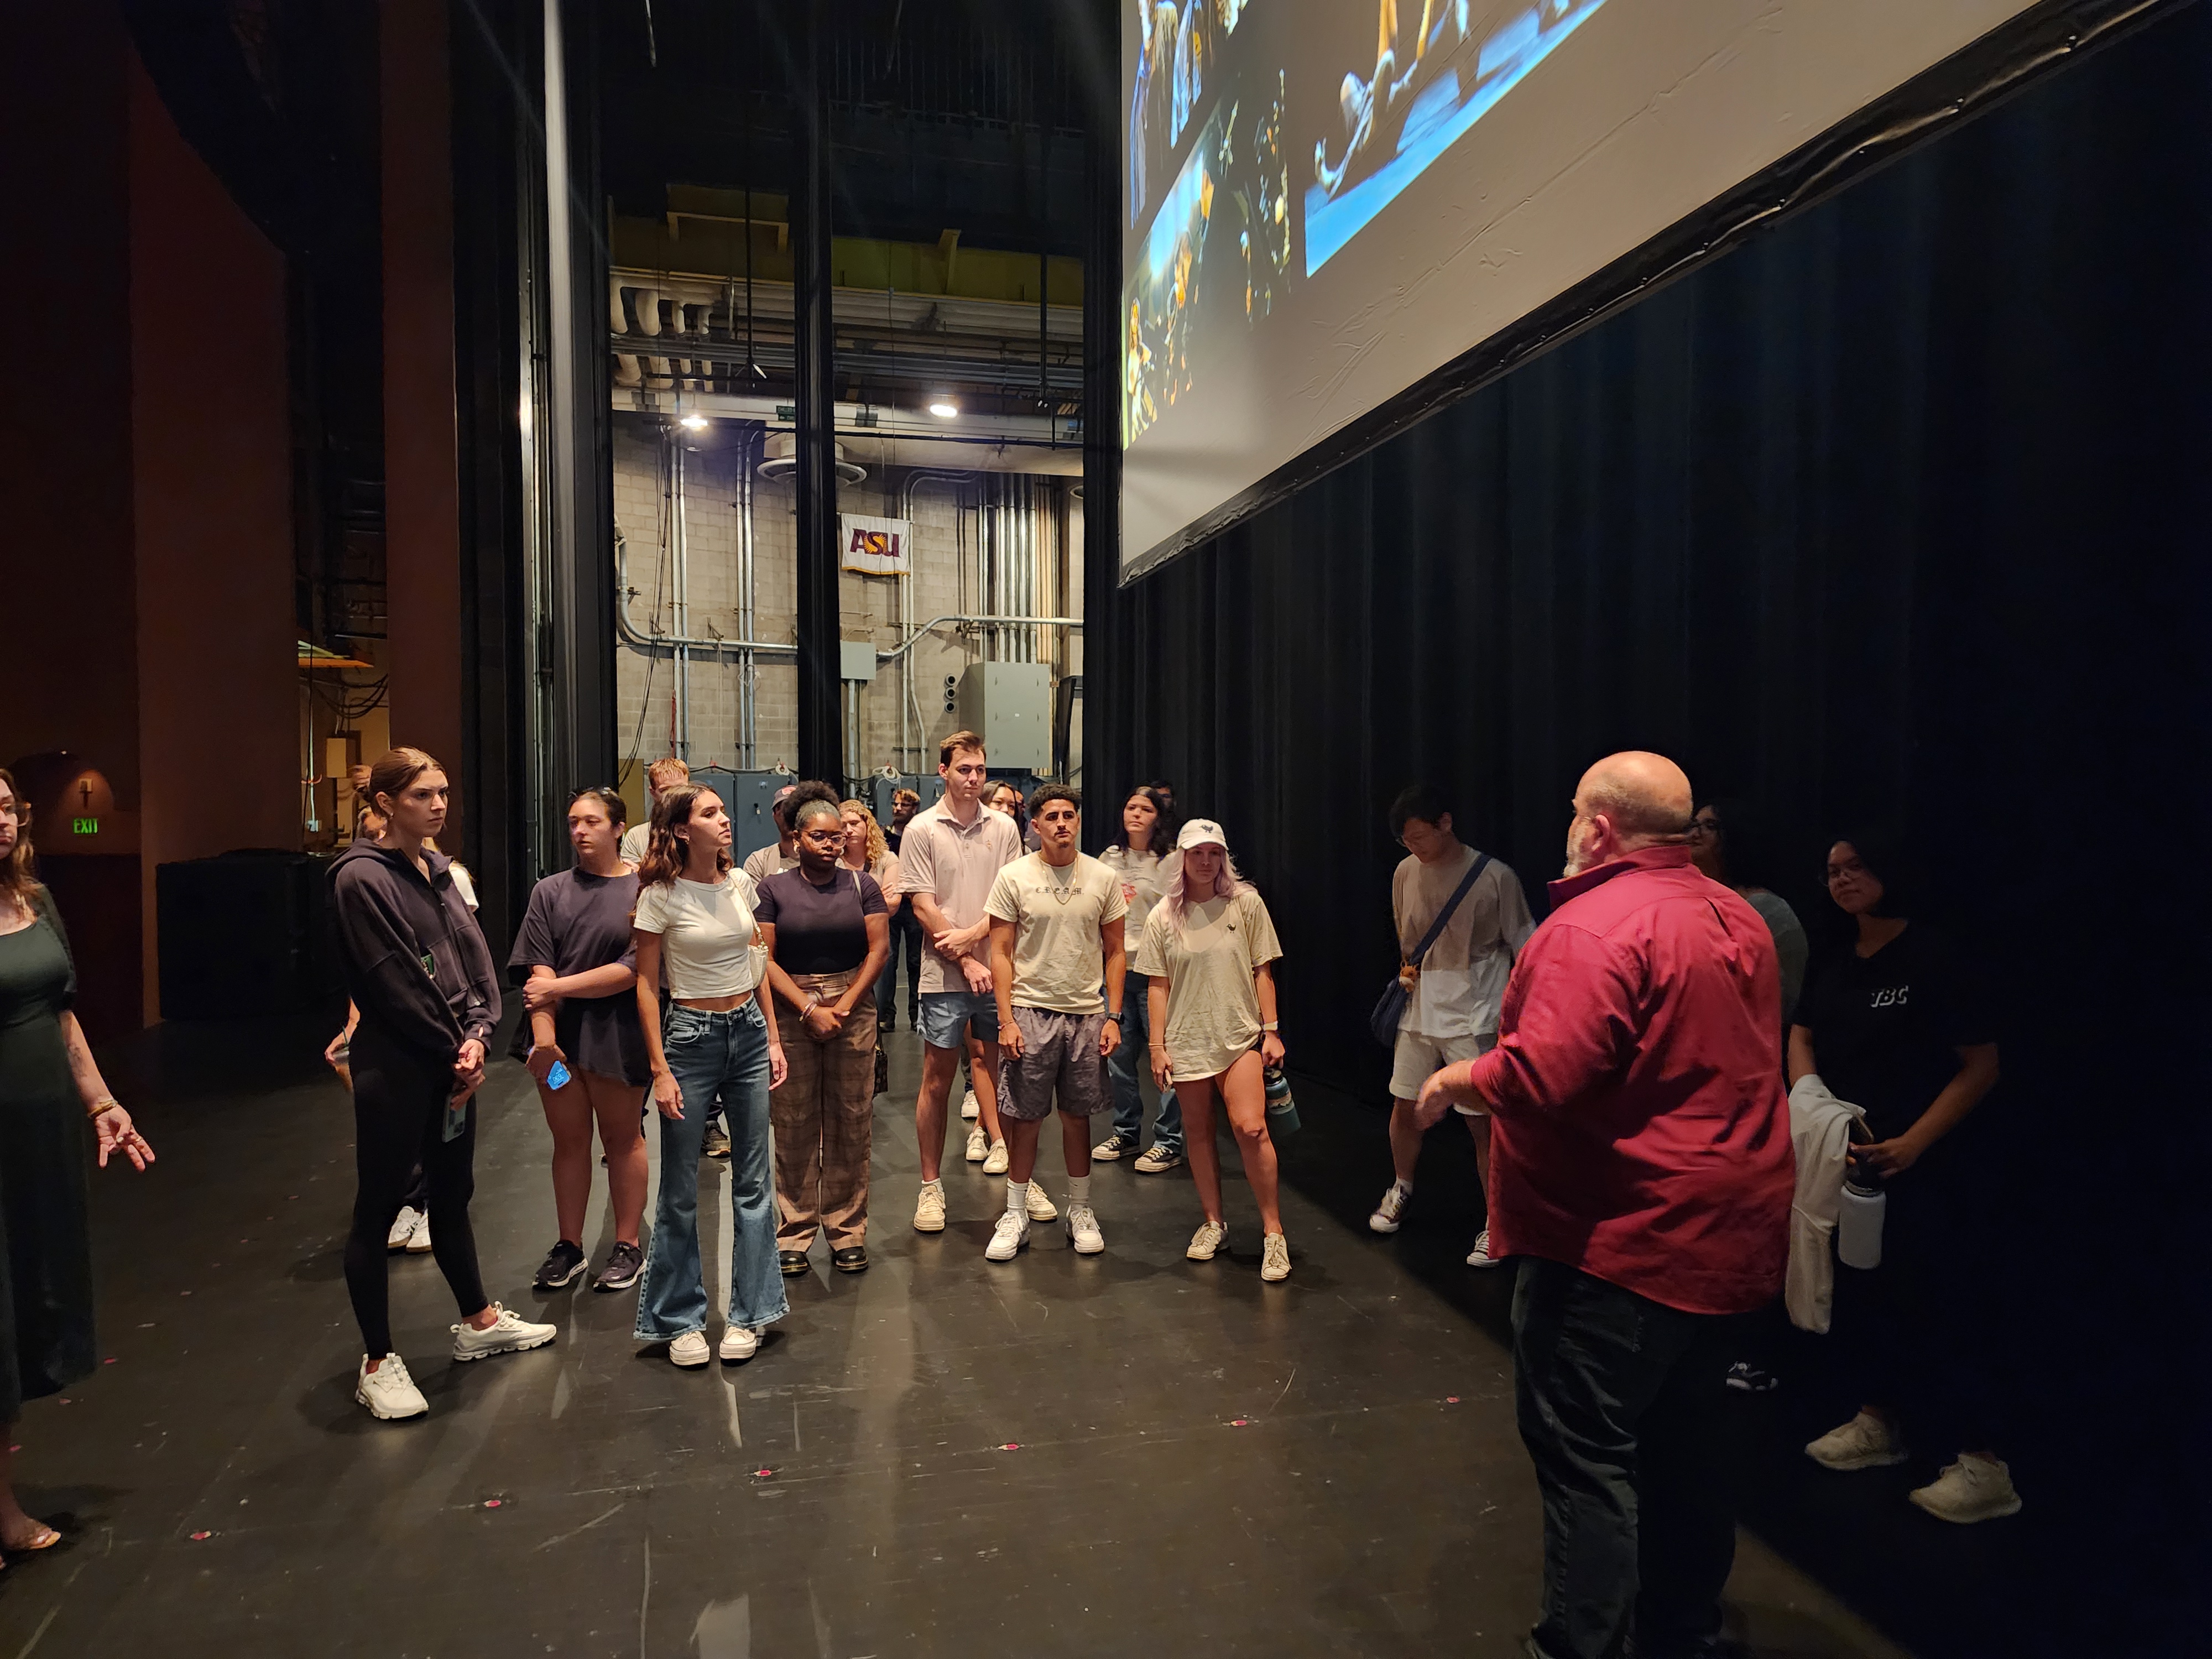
x,y
1057,918
663,775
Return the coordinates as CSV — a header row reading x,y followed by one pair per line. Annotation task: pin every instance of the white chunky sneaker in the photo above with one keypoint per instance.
x,y
419,1242
1041,1208
1275,1258
969,1109
1210,1236
403,1228
1083,1230
740,1342
388,1391
1864,1442
1385,1218
510,1334
1008,1237
1975,1488
1000,1158
689,1350
929,1208
978,1147
1480,1257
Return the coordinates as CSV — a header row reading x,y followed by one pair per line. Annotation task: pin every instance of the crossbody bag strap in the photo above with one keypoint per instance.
x,y
1443,916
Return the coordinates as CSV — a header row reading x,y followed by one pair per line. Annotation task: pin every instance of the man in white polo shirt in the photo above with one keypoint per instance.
x,y
949,857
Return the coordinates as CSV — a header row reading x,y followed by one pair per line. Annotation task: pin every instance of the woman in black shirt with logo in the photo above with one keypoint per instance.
x,y
1895,1024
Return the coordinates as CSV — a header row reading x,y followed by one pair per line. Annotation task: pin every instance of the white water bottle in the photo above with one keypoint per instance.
x,y
1858,1219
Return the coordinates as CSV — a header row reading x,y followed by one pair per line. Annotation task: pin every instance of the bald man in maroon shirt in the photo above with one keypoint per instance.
x,y
1641,1169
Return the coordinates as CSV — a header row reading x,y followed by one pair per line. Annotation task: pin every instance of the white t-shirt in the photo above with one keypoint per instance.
x,y
1462,980
707,934
633,843
1059,959
1145,878
1214,1006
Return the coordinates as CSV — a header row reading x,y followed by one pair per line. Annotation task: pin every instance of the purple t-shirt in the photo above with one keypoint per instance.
x,y
578,921
820,930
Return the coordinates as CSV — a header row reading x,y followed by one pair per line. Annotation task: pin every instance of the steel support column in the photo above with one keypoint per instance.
x,y
821,735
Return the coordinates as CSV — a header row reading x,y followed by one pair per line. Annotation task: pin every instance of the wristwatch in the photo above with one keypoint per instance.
x,y
1119,1016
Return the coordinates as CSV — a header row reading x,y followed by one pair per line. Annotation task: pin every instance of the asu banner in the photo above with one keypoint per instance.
x,y
875,547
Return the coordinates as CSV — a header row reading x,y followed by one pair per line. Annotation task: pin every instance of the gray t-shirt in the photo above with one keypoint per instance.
x,y
575,922
1792,949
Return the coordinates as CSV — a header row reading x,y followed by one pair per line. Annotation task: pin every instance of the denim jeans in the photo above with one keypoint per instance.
x,y
1624,1409
906,933
713,1057
1133,1060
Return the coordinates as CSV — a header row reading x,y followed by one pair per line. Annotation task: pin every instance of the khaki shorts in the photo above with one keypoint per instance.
x,y
1060,1058
1416,1056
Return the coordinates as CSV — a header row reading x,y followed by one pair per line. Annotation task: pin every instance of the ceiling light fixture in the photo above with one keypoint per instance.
x,y
944,408
694,422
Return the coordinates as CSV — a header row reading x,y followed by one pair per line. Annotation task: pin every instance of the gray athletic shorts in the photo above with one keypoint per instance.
x,y
1060,1057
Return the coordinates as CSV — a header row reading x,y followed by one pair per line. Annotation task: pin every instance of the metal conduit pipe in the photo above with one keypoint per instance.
x,y
898,651
910,738
669,644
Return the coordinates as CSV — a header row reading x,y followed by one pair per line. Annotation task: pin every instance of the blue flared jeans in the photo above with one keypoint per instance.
x,y
716,1058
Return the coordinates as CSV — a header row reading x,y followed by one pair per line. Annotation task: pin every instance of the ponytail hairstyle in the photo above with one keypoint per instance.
x,y
393,770
1177,898
19,871
665,849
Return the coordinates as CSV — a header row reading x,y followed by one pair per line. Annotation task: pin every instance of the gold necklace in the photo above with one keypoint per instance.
x,y
1063,890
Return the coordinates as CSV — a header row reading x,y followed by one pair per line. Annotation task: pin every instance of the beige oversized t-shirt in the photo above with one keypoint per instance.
x,y
1213,1007
1059,961
1463,983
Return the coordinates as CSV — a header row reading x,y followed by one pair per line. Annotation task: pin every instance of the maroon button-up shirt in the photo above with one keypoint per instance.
x,y
1641,1132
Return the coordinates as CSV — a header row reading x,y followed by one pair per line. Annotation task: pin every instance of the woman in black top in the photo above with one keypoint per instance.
x,y
417,967
1895,1024
828,932
577,968
49,1086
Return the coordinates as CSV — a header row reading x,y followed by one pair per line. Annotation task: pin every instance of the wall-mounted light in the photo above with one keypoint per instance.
x,y
693,422
944,408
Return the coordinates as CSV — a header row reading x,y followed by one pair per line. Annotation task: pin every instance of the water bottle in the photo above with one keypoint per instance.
x,y
1282,1110
1858,1219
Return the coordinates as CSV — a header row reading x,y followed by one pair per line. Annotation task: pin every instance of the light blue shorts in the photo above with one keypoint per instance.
x,y
946,1014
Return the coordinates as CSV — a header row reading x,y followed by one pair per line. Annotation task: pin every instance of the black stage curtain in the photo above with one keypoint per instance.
x,y
1899,512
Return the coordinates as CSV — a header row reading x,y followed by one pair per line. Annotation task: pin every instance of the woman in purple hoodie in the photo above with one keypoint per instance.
x,y
417,968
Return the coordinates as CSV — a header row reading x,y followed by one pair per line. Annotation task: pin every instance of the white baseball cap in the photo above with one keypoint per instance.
x,y
1201,832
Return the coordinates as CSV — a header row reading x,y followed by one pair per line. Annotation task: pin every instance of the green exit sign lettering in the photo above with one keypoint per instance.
x,y
84,826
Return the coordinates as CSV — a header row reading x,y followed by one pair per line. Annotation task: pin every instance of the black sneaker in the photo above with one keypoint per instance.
x,y
1746,1378
562,1265
624,1263
791,1263
1115,1147
852,1259
714,1142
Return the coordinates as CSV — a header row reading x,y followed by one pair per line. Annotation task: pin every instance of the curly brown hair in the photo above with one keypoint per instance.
x,y
665,850
19,870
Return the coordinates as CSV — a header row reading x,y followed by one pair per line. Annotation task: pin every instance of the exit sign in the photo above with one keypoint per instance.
x,y
84,826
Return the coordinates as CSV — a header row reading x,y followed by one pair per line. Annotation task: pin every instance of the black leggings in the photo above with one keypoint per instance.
x,y
398,1115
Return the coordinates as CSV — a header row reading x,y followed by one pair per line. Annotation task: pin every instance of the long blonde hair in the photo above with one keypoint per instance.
x,y
19,873
877,846
1175,899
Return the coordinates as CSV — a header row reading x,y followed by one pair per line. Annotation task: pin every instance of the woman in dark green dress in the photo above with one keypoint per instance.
x,y
49,1084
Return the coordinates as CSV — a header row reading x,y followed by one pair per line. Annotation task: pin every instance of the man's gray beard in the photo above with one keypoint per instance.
x,y
1575,866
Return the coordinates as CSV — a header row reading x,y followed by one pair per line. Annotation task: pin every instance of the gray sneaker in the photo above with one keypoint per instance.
x,y
624,1263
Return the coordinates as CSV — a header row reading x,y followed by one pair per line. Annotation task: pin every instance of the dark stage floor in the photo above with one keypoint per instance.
x,y
1125,1455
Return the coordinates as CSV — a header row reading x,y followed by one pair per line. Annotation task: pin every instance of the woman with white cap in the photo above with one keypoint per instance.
x,y
1208,953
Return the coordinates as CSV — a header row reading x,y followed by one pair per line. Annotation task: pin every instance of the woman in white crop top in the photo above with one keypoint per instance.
x,y
695,918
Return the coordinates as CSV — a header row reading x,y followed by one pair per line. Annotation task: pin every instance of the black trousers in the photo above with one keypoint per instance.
x,y
1624,1409
906,934
399,1115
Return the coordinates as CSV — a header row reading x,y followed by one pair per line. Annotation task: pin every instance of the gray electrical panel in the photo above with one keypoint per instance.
x,y
747,795
881,785
1009,706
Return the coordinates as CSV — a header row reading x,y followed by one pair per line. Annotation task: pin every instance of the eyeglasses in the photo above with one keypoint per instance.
x,y
1703,827
1838,871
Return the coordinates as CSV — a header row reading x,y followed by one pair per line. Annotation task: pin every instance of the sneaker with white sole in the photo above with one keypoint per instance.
x,y
689,1350
1210,1236
1008,1237
1975,1488
929,1208
508,1334
1000,1158
1864,1442
1115,1147
1041,1208
562,1263
418,1243
1275,1258
403,1228
1480,1257
1083,1230
740,1342
1157,1159
978,1147
969,1109
388,1392
1385,1218
715,1143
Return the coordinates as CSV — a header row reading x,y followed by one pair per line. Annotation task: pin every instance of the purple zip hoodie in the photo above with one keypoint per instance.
x,y
416,963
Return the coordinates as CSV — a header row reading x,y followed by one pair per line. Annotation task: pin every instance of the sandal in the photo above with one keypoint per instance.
x,y
43,1538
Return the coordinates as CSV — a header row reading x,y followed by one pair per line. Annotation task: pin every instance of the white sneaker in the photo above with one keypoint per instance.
x,y
1041,1208
1008,1237
403,1228
1275,1258
1480,1257
1864,1442
689,1350
1975,1488
978,1148
1083,1230
996,1164
419,1242
969,1109
1210,1236
1385,1218
929,1208
388,1391
510,1334
740,1342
